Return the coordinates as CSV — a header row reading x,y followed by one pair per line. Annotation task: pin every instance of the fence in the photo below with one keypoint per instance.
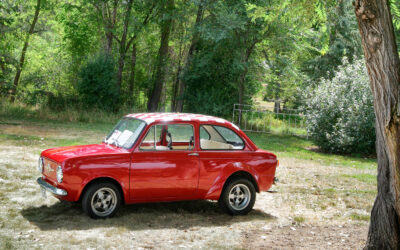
x,y
269,118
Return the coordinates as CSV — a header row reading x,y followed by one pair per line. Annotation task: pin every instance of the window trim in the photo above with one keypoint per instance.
x,y
154,144
228,150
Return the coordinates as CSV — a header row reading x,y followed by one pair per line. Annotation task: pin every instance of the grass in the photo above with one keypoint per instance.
x,y
299,219
359,217
10,112
366,178
301,148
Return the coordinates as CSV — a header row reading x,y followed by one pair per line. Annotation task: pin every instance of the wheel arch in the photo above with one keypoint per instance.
x,y
242,174
103,179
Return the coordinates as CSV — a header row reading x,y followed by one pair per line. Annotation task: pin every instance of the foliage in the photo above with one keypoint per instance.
x,y
339,112
96,84
246,50
334,36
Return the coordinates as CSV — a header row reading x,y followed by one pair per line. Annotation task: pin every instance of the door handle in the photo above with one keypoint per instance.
x,y
194,154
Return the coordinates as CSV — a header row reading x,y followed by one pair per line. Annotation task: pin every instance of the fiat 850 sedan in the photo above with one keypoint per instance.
x,y
160,157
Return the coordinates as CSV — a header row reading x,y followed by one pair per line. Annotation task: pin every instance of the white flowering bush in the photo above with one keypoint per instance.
x,y
339,112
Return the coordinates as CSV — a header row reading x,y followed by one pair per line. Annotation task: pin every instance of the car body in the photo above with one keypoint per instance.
x,y
159,157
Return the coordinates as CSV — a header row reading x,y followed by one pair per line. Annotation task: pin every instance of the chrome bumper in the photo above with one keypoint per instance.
x,y
50,188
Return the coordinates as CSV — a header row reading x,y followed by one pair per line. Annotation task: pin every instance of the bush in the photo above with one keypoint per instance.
x,y
339,112
96,84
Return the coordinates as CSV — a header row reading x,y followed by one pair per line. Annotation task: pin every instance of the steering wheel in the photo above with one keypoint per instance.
x,y
169,141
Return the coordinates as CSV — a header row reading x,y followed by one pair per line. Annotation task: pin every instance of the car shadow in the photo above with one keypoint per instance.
x,y
179,215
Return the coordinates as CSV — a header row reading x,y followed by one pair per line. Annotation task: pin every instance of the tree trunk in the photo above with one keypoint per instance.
x,y
382,61
154,100
4,72
109,20
24,49
132,75
195,38
122,45
277,106
175,88
242,77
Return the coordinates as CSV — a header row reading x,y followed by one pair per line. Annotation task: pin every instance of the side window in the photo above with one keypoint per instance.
x,y
169,137
220,138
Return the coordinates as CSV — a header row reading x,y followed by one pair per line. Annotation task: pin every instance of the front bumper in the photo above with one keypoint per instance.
x,y
50,188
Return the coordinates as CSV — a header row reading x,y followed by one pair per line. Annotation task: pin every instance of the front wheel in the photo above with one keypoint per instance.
x,y
238,197
101,200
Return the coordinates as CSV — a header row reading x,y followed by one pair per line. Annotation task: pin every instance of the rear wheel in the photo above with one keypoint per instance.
x,y
101,200
238,197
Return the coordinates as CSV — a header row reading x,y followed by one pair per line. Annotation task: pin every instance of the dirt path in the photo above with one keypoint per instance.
x,y
307,237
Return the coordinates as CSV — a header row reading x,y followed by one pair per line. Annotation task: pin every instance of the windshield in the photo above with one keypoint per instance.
x,y
125,132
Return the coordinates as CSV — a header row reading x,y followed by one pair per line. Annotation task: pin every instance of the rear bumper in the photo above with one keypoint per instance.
x,y
51,188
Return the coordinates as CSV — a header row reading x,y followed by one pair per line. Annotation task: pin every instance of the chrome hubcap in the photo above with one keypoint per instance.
x,y
104,201
239,197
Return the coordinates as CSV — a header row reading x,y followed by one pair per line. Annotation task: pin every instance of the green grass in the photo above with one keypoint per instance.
x,y
26,140
366,178
361,217
18,112
299,219
301,148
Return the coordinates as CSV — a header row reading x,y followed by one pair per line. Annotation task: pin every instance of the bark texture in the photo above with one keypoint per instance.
x,y
24,49
122,44
154,99
109,17
132,74
181,84
382,61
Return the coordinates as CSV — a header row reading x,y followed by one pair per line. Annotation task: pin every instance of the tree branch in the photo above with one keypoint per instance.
x,y
115,37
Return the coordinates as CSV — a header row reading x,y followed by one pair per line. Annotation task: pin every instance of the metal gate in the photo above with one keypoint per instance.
x,y
269,119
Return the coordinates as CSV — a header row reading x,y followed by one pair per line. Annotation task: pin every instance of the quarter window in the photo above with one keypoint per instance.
x,y
220,138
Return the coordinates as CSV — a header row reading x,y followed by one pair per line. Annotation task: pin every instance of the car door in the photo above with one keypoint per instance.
x,y
220,147
165,166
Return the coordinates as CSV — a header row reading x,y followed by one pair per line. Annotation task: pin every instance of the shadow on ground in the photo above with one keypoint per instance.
x,y
179,215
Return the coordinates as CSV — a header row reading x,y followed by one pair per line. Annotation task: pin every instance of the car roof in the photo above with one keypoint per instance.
x,y
167,117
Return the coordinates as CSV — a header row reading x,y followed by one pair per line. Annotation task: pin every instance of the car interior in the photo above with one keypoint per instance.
x,y
181,137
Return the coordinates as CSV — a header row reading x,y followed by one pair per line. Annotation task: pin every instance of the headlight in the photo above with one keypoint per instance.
x,y
59,174
40,165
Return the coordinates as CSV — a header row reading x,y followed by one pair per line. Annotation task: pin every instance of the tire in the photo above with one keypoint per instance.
x,y
101,200
240,190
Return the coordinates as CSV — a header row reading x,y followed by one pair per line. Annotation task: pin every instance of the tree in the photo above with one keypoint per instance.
x,y
166,25
383,64
122,43
21,61
335,36
108,10
181,84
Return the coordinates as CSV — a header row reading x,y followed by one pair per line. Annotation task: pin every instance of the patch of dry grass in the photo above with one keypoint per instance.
x,y
310,193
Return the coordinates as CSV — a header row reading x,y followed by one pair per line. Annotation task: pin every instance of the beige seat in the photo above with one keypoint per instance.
x,y
162,148
208,144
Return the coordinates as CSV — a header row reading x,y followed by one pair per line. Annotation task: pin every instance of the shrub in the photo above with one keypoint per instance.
x,y
96,84
339,112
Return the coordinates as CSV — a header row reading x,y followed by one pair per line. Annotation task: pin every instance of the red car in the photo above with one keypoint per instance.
x,y
158,157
